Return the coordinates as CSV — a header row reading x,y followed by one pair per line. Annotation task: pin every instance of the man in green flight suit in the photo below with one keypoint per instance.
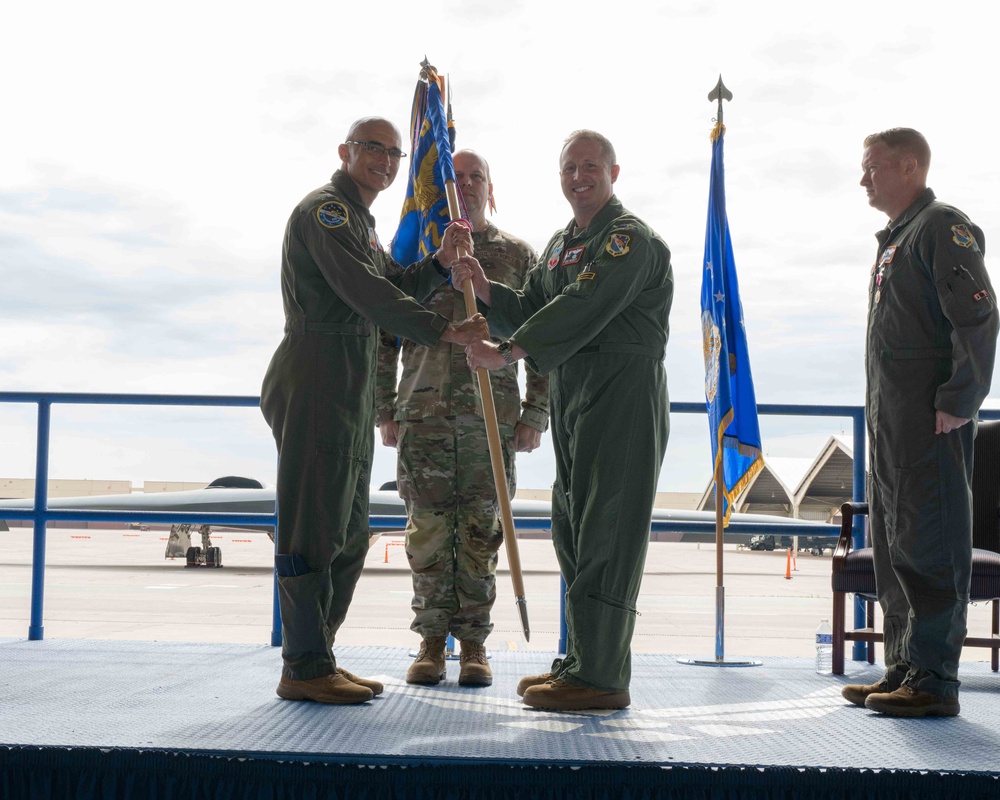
x,y
932,330
444,469
592,314
337,285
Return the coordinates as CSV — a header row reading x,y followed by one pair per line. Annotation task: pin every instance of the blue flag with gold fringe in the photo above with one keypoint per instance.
x,y
729,394
425,209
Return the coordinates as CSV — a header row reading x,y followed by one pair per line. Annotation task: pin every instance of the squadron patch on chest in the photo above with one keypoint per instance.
x,y
888,254
617,245
962,236
332,214
373,239
573,256
553,262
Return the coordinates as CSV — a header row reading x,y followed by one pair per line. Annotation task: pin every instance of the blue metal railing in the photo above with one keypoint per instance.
x,y
41,514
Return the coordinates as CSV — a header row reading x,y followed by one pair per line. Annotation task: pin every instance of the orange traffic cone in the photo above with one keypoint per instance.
x,y
788,566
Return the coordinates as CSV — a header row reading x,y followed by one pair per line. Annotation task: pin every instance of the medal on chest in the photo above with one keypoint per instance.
x,y
881,270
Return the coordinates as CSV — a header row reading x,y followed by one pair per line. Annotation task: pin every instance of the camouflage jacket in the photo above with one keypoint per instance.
x,y
437,381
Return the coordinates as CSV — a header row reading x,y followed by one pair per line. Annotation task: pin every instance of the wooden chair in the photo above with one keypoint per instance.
x,y
854,571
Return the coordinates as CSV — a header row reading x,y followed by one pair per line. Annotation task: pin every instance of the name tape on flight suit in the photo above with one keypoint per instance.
x,y
573,256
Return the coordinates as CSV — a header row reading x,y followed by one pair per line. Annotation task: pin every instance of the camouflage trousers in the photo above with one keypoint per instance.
x,y
452,533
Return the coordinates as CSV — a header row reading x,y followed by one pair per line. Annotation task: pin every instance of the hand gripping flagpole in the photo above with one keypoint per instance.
x,y
719,93
490,418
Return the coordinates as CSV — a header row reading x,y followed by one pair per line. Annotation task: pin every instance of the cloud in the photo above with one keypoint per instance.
x,y
142,210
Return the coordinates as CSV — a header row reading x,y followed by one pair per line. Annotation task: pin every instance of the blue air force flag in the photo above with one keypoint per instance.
x,y
425,209
729,394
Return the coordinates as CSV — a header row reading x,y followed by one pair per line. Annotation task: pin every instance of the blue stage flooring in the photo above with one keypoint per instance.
x,y
217,700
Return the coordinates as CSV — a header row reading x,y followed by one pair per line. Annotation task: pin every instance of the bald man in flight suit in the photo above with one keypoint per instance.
x,y
338,286
931,342
593,315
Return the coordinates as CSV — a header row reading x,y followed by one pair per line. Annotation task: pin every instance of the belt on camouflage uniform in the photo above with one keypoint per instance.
x,y
623,347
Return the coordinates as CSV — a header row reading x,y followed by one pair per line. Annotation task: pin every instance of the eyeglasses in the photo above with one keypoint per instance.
x,y
379,149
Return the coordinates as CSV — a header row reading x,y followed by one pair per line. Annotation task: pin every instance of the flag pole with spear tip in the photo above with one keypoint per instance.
x,y
729,396
427,74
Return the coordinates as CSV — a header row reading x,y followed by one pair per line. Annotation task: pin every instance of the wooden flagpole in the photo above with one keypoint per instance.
x,y
492,429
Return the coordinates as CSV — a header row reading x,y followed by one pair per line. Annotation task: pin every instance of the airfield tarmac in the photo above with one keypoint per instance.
x,y
116,584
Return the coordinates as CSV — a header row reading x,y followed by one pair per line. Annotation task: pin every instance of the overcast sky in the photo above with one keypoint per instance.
x,y
152,153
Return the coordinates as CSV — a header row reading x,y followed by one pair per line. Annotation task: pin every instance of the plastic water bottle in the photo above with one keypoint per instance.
x,y
824,648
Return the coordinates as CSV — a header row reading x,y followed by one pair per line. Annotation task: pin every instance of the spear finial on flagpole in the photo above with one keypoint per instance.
x,y
720,93
449,115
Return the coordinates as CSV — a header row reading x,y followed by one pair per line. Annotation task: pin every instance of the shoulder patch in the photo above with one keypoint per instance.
x,y
332,214
962,236
617,245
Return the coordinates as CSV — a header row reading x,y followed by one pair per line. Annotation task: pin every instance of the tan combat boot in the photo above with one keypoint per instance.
x,y
334,688
428,668
857,693
909,702
376,687
561,695
532,680
475,666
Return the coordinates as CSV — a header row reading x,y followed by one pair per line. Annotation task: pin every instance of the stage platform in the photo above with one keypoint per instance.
x,y
106,719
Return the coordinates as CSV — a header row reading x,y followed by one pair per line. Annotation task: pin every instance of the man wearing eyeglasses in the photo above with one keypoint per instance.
x,y
338,286
444,470
593,315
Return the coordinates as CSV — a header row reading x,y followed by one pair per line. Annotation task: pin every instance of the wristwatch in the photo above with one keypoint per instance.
x,y
505,349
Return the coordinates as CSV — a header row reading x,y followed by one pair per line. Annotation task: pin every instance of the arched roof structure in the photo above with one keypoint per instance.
x,y
803,488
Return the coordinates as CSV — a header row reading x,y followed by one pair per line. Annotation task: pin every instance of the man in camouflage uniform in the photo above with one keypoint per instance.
x,y
593,315
932,329
444,469
318,396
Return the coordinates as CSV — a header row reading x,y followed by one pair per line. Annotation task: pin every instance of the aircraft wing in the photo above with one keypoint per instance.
x,y
672,524
383,503
675,525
